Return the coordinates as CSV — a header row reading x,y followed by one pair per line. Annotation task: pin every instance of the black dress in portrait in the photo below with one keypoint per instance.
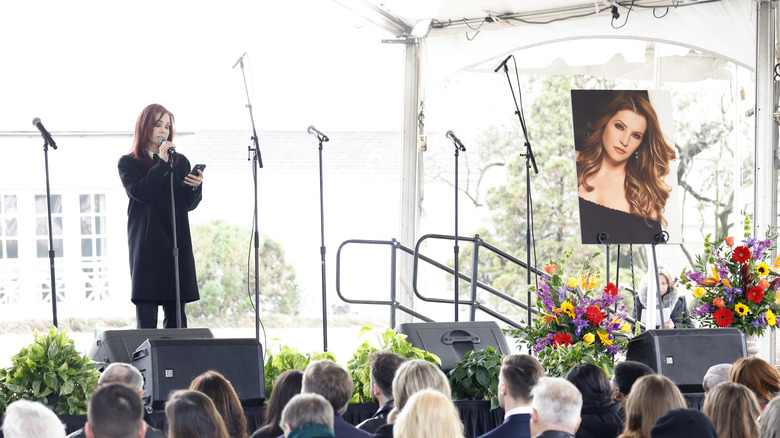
x,y
622,227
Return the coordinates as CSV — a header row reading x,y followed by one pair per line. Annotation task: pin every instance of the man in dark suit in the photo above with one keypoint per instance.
x,y
115,411
519,373
555,409
383,365
333,382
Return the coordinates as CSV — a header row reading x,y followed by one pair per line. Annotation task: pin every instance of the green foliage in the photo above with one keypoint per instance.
x,y
221,251
52,372
475,377
288,359
559,361
388,341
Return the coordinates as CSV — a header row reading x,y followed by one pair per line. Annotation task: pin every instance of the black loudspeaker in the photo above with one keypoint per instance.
x,y
171,364
685,355
452,340
119,345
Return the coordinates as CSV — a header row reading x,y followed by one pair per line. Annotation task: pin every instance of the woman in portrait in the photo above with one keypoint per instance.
x,y
146,174
622,162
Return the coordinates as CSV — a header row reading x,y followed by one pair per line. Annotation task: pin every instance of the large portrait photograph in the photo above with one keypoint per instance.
x,y
626,167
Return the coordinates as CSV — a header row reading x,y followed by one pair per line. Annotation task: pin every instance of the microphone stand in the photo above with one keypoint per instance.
x,y
51,238
321,139
257,163
175,250
456,248
529,161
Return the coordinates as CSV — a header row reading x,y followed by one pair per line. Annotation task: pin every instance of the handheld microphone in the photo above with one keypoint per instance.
x,y
46,136
161,140
239,60
321,136
456,141
503,63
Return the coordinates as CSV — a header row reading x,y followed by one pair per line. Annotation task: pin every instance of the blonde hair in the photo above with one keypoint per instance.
x,y
430,414
646,190
651,396
414,376
770,420
733,409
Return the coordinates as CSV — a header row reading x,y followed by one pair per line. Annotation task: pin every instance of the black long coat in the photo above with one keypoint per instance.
x,y
149,231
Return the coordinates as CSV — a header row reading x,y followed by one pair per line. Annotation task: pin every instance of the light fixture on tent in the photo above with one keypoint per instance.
x,y
420,30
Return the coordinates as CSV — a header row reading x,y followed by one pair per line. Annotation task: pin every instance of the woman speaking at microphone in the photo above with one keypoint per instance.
x,y
146,176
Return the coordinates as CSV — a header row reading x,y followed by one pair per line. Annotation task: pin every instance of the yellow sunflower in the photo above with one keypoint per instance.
x,y
741,309
762,269
568,308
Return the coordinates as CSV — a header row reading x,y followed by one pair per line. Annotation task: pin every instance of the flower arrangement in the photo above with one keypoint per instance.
x,y
577,321
733,283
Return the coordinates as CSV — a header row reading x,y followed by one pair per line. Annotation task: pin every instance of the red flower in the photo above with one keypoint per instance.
x,y
594,315
723,317
729,241
755,294
610,289
561,338
741,254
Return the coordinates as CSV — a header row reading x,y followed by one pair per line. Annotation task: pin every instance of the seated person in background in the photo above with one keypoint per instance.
x,y
307,416
332,381
734,410
626,373
428,414
759,376
413,376
519,373
222,393
602,415
383,365
556,408
674,304
651,396
115,411
770,420
683,423
287,385
29,419
192,414
129,375
716,375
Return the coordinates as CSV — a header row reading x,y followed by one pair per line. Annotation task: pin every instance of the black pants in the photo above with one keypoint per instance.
x,y
146,314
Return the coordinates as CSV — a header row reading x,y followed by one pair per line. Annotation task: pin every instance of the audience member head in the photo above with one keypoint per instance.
x,y
429,414
414,376
758,375
224,396
593,384
330,380
651,396
626,373
556,406
383,365
683,423
734,410
307,411
770,420
120,372
519,373
29,419
287,385
716,375
115,411
192,414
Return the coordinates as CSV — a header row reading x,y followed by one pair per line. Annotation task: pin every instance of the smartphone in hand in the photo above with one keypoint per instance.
x,y
194,171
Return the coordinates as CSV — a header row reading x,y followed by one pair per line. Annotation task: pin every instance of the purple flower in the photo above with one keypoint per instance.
x,y
702,310
580,323
760,321
613,349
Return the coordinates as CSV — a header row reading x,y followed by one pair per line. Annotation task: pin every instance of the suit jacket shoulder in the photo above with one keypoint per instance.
x,y
515,426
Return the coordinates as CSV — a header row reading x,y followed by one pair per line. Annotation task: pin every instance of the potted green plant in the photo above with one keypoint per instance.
x,y
475,377
52,372
288,359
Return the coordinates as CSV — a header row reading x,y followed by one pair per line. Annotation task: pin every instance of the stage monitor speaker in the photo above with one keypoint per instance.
x,y
452,340
119,345
685,355
171,364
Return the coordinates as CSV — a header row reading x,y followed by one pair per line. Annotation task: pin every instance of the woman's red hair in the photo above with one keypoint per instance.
x,y
143,132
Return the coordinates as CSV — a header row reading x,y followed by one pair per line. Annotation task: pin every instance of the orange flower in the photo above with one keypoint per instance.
x,y
718,302
763,284
729,241
552,269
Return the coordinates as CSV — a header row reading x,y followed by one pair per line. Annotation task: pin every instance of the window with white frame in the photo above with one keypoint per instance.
x,y
42,245
9,250
94,254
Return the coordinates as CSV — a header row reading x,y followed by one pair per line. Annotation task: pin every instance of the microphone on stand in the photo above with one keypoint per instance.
x,y
239,60
46,136
161,140
456,141
321,136
503,63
